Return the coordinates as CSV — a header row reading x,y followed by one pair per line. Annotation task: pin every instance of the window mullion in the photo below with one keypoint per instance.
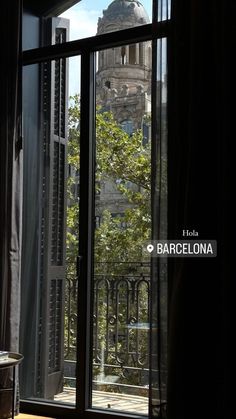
x,y
98,42
86,227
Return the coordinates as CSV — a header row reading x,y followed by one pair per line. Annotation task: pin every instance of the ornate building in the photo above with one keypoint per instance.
x,y
123,86
124,73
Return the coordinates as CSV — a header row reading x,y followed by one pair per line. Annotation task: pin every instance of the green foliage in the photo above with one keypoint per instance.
x,y
125,161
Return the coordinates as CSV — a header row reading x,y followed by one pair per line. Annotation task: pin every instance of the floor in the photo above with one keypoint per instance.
x,y
106,400
23,416
102,400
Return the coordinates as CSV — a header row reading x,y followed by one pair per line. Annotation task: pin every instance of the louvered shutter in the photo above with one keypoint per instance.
x,y
53,222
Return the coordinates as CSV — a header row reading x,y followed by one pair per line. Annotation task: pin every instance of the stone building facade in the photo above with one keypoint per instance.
x,y
123,86
124,73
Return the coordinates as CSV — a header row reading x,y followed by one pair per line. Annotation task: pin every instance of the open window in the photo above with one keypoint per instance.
x,y
95,190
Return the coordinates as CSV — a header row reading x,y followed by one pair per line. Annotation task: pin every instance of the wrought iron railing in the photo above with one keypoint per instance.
x,y
120,326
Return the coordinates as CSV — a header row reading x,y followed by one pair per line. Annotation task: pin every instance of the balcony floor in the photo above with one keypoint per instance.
x,y
106,400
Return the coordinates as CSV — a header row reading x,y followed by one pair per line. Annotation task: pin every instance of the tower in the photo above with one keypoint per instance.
x,y
123,87
124,73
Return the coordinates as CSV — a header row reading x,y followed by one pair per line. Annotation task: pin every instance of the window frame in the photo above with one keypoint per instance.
x,y
86,48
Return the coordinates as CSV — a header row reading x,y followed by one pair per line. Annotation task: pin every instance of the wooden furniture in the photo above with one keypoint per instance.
x,y
10,360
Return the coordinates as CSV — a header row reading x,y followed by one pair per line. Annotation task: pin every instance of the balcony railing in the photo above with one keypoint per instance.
x,y
120,327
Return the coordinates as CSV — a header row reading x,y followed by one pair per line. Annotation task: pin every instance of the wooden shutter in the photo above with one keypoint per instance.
x,y
53,220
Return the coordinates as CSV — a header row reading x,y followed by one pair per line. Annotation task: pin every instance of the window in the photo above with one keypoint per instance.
x,y
87,309
132,54
123,55
127,126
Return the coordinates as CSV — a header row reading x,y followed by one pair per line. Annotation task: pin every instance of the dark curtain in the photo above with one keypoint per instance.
x,y
201,379
159,266
10,189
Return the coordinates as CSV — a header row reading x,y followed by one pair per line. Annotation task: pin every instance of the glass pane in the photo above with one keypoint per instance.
x,y
164,9
88,18
121,283
158,368
50,225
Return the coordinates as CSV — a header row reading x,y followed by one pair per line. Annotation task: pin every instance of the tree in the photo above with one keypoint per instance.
x,y
124,160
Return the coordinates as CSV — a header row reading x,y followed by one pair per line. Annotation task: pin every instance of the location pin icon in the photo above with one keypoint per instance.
x,y
150,248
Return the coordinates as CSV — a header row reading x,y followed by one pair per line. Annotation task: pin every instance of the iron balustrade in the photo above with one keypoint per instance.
x,y
121,298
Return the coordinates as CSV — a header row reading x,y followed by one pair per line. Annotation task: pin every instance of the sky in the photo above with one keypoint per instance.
x,y
84,16
83,19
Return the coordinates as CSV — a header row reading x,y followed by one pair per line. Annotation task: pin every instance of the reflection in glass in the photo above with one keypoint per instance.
x,y
88,18
164,9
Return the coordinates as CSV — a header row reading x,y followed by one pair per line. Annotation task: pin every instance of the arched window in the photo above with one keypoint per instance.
x,y
101,58
141,53
127,126
132,54
123,56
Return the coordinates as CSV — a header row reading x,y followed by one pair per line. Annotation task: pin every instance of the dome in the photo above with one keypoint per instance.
x,y
126,13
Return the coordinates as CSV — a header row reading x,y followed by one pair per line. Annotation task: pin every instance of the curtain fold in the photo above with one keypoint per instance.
x,y
159,269
201,186
10,189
